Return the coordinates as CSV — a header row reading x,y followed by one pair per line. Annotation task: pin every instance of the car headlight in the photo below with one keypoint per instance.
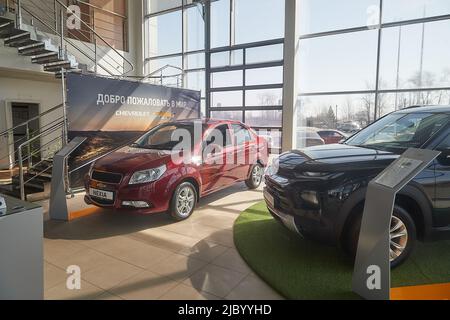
x,y
146,176
316,174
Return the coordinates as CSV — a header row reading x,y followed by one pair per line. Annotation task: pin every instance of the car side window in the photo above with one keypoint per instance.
x,y
445,144
242,134
220,135
444,148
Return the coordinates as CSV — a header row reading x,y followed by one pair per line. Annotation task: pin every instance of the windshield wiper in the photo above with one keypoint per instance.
x,y
166,146
159,147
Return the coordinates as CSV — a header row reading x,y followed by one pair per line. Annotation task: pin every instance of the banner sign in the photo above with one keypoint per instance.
x,y
112,113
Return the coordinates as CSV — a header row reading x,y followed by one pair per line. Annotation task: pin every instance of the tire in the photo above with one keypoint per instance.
x,y
256,177
397,255
183,202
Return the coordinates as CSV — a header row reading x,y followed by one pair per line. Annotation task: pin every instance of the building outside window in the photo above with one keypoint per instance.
x,y
245,79
175,44
361,59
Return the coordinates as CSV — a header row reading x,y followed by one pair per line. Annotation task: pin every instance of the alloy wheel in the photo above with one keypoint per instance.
x,y
257,175
398,238
185,201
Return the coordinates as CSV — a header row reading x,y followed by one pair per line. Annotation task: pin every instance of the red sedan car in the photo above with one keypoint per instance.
x,y
155,175
332,136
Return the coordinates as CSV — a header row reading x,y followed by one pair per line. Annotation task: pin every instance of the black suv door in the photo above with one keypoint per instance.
x,y
442,169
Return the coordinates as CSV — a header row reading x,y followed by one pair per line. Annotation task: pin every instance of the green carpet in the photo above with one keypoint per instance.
x,y
301,269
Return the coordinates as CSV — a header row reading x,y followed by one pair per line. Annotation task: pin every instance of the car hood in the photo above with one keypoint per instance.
x,y
335,158
130,159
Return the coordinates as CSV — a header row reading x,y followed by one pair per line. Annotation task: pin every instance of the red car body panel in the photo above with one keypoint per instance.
x,y
208,178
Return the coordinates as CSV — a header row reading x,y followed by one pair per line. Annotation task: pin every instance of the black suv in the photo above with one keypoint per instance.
x,y
319,192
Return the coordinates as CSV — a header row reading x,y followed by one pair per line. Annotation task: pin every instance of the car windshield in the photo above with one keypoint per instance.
x,y
400,131
168,136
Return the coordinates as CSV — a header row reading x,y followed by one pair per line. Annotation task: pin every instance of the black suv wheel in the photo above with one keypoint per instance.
x,y
403,236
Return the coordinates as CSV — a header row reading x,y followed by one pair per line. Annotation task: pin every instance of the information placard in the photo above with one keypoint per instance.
x,y
372,272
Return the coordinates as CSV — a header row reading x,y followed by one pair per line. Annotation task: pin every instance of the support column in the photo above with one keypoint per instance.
x,y
184,45
290,90
207,17
136,40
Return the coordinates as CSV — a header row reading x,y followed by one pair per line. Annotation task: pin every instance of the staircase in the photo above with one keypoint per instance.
x,y
37,181
37,29
40,50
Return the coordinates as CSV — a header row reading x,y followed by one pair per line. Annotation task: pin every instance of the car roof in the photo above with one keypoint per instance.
x,y
330,130
426,109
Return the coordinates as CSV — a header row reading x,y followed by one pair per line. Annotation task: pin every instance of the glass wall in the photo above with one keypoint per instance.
x,y
361,59
175,44
245,78
246,74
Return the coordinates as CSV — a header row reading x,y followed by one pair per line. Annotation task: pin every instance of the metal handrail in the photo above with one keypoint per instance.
x,y
36,152
21,160
32,133
31,153
31,120
162,69
7,133
159,71
30,166
66,39
39,174
101,9
99,37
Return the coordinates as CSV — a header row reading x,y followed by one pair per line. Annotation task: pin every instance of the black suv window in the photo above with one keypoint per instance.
x,y
400,131
242,134
444,144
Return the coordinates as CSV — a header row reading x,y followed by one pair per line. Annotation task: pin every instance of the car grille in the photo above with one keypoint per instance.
x,y
281,199
106,177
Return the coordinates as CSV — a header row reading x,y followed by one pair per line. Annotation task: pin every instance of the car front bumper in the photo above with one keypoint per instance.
x,y
155,195
287,220
284,203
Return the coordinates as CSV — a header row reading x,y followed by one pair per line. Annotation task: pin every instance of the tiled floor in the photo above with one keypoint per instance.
x,y
152,257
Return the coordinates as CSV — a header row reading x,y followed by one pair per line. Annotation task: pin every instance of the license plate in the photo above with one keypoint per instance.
x,y
270,199
101,194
